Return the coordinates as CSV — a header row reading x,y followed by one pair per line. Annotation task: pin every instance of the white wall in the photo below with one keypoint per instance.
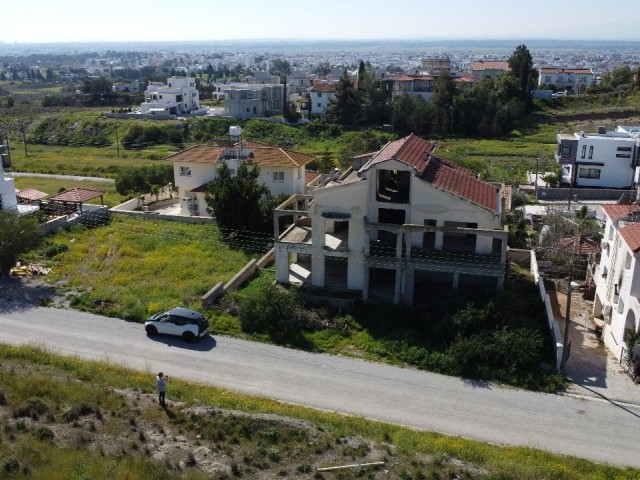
x,y
616,172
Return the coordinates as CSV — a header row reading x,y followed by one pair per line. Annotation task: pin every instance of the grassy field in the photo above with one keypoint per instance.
x,y
72,419
54,185
132,267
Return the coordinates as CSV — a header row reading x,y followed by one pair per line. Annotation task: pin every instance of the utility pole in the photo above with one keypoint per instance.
x,y
566,346
117,143
24,139
537,170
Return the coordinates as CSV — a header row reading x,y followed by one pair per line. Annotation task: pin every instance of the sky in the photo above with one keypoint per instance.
x,y
37,21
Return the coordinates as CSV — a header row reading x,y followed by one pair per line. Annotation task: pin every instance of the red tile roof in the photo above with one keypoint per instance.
x,y
76,195
30,194
323,87
310,176
455,181
262,155
621,212
441,173
482,65
631,235
582,247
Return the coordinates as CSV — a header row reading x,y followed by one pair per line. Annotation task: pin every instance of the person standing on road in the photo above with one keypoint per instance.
x,y
161,381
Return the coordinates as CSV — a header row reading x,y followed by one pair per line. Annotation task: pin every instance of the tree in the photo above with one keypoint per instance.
x,y
619,76
280,67
49,74
521,65
18,234
138,181
326,162
442,104
239,202
346,107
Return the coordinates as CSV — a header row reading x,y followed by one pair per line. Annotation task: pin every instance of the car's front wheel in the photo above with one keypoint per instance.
x,y
188,337
151,330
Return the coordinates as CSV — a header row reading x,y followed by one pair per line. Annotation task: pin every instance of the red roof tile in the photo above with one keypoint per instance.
x,y
31,194
482,65
582,247
451,180
441,173
621,212
323,87
310,176
198,154
76,195
631,235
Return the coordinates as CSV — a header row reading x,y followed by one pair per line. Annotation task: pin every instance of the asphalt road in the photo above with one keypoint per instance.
x,y
593,429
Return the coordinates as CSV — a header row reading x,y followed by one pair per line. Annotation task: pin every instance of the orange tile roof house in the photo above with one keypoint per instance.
x,y
404,220
282,170
483,70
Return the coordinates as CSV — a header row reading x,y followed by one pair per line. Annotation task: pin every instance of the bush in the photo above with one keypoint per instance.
x,y
33,407
272,310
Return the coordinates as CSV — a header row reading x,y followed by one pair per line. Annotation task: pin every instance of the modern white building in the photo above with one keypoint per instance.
x,y
617,277
575,80
603,159
403,221
132,87
178,96
299,82
282,170
320,96
8,200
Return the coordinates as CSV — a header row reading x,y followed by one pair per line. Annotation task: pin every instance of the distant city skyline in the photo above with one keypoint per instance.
x,y
44,21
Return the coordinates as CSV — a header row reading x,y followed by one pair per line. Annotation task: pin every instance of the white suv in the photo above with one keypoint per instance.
x,y
182,322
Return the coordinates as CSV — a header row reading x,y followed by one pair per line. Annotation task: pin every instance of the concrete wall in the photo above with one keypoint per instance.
x,y
554,328
582,194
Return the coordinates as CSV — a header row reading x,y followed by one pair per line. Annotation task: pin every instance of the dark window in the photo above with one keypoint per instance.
x,y
429,238
589,173
624,149
565,150
623,155
584,151
590,151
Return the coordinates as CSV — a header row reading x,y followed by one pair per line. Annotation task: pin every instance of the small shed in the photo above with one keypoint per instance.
x,y
74,197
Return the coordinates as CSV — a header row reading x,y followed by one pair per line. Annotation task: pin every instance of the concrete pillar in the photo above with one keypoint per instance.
x,y
409,286
365,281
500,282
456,279
397,294
399,238
317,269
282,264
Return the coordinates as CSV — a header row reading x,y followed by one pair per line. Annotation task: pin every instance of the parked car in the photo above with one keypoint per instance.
x,y
179,321
559,94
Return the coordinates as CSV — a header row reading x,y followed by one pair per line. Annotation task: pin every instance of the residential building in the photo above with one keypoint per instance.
x,y
603,159
243,100
575,80
263,78
320,96
132,87
436,64
282,170
8,200
404,220
488,70
299,82
178,97
617,277
423,85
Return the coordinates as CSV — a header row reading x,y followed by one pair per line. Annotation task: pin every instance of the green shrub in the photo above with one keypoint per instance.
x,y
33,407
272,310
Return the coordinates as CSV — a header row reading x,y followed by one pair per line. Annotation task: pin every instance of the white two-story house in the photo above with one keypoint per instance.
x,y
178,96
320,96
572,79
404,220
282,170
617,277
604,159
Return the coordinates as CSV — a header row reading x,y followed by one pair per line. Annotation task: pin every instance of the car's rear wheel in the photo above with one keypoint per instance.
x,y
188,337
151,330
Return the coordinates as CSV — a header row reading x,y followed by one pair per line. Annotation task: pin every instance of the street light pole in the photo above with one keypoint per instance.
x,y
537,170
567,320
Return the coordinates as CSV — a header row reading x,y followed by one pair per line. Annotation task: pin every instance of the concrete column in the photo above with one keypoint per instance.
x,y
439,240
282,264
456,279
365,282
399,238
500,282
317,269
397,294
409,286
